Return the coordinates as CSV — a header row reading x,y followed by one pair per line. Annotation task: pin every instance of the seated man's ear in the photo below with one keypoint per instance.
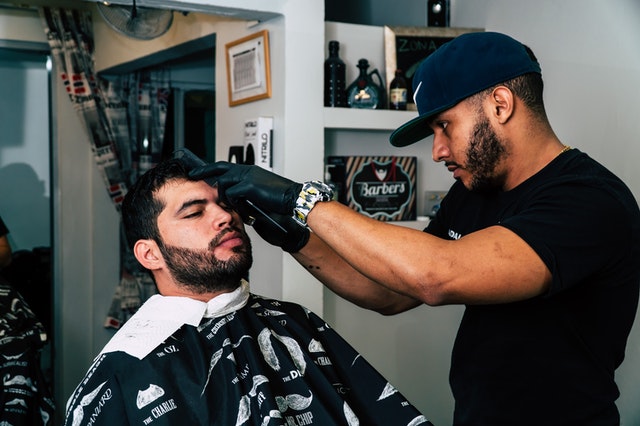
x,y
148,254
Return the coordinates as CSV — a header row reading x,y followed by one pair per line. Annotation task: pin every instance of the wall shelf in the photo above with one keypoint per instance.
x,y
365,119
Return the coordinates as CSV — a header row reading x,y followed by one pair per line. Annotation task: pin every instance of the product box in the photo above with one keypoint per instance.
x,y
258,136
381,187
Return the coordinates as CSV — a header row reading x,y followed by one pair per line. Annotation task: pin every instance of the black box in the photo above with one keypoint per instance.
x,y
381,187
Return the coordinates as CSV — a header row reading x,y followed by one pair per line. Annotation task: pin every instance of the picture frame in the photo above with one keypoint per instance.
x,y
406,47
248,68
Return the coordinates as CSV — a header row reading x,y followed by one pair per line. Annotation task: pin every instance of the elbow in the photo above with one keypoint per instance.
x,y
434,296
430,290
388,311
398,308
405,304
397,304
393,304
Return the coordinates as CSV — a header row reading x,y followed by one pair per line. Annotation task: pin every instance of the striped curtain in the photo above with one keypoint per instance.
x,y
124,116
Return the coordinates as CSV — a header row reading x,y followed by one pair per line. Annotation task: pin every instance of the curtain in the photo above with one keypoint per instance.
x,y
124,117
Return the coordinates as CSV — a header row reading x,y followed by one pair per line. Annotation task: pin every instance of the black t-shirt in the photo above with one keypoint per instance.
x,y
551,359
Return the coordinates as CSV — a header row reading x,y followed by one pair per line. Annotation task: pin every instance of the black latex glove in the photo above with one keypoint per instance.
x,y
237,182
287,234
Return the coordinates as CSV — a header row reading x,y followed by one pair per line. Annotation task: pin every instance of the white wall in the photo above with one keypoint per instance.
x,y
21,26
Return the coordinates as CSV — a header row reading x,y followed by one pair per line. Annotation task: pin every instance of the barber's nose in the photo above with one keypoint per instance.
x,y
439,149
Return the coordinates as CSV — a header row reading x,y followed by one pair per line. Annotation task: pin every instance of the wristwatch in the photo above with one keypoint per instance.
x,y
312,192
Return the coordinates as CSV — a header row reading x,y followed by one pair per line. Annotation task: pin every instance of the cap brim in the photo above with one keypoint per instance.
x,y
411,132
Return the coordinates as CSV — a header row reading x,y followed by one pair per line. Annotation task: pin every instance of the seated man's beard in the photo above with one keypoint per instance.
x,y
201,272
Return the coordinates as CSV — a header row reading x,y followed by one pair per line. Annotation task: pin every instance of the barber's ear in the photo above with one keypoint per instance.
x,y
503,103
148,254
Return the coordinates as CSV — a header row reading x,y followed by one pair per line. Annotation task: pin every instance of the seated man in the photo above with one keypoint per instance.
x,y
206,351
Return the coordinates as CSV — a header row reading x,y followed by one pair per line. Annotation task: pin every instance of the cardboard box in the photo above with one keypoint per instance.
x,y
381,187
258,136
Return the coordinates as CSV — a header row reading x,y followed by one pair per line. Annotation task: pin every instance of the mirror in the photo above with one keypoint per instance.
x,y
25,174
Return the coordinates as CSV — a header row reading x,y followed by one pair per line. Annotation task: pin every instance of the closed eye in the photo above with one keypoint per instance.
x,y
192,215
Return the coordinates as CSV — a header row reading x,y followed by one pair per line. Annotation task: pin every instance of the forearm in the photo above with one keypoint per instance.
x,y
341,278
403,260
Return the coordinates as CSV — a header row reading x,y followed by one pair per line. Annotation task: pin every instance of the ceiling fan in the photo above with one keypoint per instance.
x,y
141,23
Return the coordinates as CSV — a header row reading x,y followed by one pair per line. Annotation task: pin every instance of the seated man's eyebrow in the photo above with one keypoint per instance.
x,y
190,203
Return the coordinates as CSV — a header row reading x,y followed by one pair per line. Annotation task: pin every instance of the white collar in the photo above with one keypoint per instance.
x,y
161,316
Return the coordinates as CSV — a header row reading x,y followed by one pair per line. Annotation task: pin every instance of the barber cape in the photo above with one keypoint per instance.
x,y
239,359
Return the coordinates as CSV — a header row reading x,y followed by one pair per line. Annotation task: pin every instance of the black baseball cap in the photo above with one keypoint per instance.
x,y
458,69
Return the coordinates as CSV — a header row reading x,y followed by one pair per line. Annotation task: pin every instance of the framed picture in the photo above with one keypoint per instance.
x,y
248,68
406,47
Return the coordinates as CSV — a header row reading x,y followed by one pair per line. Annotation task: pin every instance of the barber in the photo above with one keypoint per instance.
x,y
540,242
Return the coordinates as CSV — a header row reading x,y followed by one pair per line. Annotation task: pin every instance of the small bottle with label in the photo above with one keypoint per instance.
x,y
398,92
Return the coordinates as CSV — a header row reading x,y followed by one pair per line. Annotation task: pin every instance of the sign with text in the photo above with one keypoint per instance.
x,y
381,187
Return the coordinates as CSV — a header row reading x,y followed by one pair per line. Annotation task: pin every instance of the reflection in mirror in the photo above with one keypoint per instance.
x,y
25,208
191,115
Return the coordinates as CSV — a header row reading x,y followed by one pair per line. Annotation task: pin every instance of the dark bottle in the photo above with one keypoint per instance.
x,y
363,92
398,92
334,78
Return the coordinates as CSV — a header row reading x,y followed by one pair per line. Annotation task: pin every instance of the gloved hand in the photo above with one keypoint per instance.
x,y
237,182
287,234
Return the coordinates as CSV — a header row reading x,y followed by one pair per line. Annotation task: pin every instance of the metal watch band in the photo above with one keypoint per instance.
x,y
311,193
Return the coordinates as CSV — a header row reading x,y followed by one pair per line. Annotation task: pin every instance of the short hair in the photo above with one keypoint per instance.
x,y
528,87
141,207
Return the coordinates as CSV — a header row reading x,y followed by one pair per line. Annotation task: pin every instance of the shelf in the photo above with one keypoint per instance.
x,y
365,119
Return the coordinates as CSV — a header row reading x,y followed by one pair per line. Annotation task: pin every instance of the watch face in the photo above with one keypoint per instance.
x,y
321,190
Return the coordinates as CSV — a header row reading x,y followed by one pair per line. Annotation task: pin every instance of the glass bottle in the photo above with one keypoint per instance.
x,y
398,92
334,78
363,92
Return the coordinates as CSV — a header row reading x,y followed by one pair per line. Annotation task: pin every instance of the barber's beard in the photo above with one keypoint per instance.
x,y
485,152
200,271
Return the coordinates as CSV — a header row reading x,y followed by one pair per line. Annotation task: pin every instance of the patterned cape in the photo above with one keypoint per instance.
x,y
241,359
25,396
